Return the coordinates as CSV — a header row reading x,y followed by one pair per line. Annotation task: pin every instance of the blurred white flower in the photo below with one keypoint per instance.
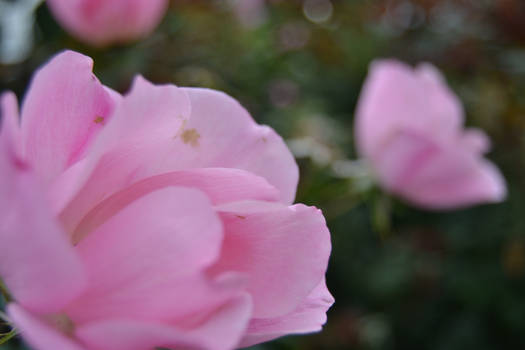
x,y
16,29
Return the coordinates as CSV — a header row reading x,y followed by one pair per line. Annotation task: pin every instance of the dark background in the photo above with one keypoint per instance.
x,y
433,281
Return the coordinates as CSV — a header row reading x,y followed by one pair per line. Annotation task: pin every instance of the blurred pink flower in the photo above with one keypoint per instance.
x,y
161,218
250,13
409,127
103,22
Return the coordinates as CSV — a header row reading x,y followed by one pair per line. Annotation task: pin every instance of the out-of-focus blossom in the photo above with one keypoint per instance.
x,y
293,36
250,13
283,93
318,11
103,22
16,29
409,127
161,218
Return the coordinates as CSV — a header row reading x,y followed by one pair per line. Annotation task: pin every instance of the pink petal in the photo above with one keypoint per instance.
x,y
220,331
65,107
409,127
37,262
114,95
101,22
457,179
134,145
403,156
226,136
283,250
221,185
67,185
39,334
438,176
156,248
176,299
396,97
10,129
309,316
475,140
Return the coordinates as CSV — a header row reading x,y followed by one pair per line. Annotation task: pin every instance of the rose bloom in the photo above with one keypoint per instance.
x,y
161,218
103,22
409,127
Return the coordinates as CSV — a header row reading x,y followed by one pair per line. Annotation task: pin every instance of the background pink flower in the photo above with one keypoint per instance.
x,y
161,218
409,126
250,13
102,22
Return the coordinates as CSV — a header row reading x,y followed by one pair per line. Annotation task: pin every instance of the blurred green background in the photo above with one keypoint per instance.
x,y
402,278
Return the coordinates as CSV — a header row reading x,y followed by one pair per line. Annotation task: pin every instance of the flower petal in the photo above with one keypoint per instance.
x,y
157,248
65,107
476,140
10,129
221,185
134,145
221,133
220,331
283,250
37,333
396,97
438,176
101,22
310,316
37,263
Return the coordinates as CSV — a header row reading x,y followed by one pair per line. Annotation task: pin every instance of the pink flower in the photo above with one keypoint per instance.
x,y
409,127
161,218
102,22
250,13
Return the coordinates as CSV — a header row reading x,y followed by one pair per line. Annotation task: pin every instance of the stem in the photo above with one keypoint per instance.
x,y
382,219
4,292
4,338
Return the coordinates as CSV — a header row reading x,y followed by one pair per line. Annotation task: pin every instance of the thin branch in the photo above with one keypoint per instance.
x,y
4,292
4,338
